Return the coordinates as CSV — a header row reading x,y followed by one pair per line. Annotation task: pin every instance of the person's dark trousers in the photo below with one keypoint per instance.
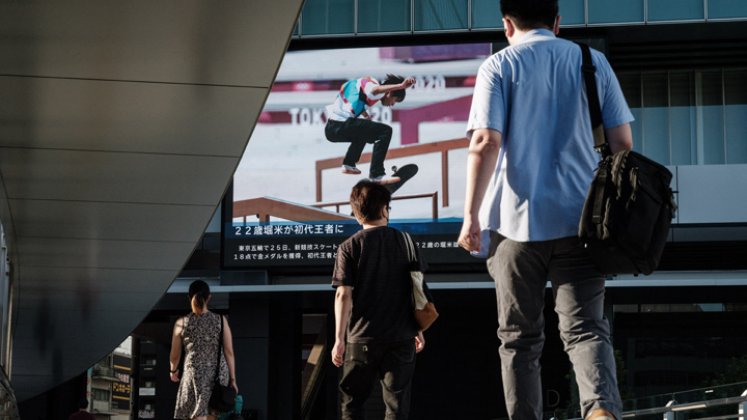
x,y
358,132
521,271
393,364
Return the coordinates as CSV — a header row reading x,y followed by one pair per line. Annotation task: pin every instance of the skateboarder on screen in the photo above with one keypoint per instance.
x,y
348,121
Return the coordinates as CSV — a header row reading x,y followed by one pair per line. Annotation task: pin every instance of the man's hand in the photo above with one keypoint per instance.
x,y
338,353
419,342
469,237
409,81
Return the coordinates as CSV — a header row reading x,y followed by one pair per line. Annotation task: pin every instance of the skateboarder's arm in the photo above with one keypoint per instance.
x,y
481,159
380,89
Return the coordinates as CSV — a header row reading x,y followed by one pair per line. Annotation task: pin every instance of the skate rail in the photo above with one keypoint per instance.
x,y
433,196
265,207
443,147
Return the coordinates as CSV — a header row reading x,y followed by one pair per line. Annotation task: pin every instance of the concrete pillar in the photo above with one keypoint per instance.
x,y
267,341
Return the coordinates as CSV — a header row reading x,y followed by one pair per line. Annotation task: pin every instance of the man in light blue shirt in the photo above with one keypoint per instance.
x,y
530,163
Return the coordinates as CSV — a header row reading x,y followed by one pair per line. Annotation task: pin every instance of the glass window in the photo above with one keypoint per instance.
x,y
615,11
486,14
655,117
572,12
630,83
735,116
100,394
710,119
383,15
668,10
689,117
433,15
327,17
720,9
682,119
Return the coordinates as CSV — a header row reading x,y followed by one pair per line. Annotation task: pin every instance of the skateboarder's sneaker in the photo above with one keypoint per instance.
x,y
351,170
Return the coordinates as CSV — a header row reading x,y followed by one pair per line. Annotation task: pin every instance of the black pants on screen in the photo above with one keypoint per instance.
x,y
358,132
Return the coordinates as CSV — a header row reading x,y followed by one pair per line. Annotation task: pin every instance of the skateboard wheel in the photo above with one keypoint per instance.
x,y
394,168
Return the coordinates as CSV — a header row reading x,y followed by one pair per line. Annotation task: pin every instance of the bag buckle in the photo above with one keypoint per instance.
x,y
604,150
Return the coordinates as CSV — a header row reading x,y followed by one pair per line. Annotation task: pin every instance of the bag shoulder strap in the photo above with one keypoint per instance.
x,y
592,95
220,348
411,255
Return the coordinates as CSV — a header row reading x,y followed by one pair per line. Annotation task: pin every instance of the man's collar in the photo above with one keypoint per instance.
x,y
534,33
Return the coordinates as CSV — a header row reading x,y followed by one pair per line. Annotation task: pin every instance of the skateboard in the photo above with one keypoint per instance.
x,y
404,173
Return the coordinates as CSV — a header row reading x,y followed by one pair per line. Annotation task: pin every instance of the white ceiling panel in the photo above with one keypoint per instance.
x,y
69,318
68,114
98,220
139,255
229,42
100,303
121,124
79,288
114,177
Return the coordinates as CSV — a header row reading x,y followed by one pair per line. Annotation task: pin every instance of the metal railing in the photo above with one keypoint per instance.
x,y
681,404
695,404
433,196
442,147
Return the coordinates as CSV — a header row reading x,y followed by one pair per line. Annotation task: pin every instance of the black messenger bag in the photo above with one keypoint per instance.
x,y
626,217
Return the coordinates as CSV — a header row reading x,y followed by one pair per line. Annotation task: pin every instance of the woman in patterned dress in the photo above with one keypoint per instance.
x,y
198,334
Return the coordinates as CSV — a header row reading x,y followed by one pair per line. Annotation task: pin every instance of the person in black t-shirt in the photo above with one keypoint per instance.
x,y
376,335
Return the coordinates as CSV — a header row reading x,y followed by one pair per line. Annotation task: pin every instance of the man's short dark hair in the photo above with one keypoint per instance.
x,y
393,79
531,14
368,198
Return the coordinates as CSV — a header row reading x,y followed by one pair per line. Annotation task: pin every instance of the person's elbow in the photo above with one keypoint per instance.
x,y
620,138
484,141
344,293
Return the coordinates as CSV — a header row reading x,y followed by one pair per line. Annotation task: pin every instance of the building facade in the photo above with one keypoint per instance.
x,y
682,64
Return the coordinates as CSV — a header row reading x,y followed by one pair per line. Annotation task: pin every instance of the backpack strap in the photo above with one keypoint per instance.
x,y
220,349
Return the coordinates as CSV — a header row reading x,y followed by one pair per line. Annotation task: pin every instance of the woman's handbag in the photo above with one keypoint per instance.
x,y
630,206
425,311
223,398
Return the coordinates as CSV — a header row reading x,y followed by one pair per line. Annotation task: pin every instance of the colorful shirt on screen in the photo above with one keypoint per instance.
x,y
354,96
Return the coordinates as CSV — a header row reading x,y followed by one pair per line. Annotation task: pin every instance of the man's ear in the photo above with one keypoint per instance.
x,y
509,28
556,26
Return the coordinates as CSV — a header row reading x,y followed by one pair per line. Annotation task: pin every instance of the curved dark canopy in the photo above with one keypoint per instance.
x,y
121,124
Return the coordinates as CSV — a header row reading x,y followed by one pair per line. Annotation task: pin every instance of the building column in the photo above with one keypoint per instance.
x,y
267,344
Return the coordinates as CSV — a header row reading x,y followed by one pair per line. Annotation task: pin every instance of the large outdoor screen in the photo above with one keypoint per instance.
x,y
289,193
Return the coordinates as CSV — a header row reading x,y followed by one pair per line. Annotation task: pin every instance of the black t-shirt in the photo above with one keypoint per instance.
x,y
374,262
